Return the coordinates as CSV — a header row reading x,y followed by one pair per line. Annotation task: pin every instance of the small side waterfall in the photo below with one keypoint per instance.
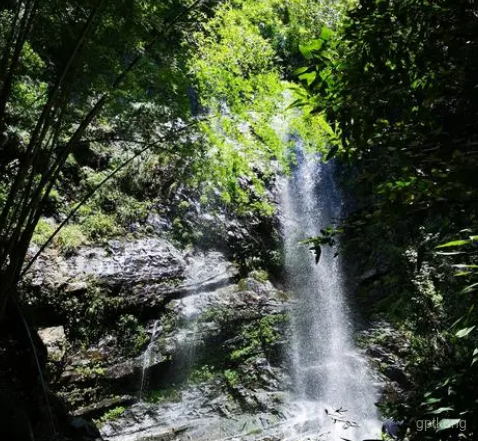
x,y
178,351
328,372
148,359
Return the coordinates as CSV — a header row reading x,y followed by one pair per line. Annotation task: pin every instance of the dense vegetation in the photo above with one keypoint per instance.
x,y
115,112
397,84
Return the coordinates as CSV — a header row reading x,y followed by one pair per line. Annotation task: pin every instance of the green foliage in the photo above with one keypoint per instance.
x,y
271,328
259,337
239,79
92,316
100,313
90,372
394,83
232,378
132,337
100,226
110,415
43,231
163,396
70,238
260,275
201,374
67,241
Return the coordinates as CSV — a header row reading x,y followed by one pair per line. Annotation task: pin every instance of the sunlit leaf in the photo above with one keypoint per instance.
x,y
308,77
326,33
300,70
454,243
464,332
469,288
441,410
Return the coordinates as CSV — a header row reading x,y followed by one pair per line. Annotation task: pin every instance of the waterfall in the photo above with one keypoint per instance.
x,y
147,358
204,275
331,379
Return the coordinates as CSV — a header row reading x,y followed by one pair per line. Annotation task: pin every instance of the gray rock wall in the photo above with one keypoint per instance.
x,y
152,335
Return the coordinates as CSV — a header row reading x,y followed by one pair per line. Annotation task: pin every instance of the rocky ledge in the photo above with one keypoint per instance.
x,y
145,338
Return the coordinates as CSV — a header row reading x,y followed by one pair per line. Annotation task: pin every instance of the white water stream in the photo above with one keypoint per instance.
x,y
333,396
328,372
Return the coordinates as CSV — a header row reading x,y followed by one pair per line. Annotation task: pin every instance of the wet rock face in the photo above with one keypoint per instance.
x,y
133,262
387,350
140,277
215,367
174,332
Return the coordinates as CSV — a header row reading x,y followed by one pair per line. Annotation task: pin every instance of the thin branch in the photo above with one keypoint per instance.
x,y
24,29
40,130
9,43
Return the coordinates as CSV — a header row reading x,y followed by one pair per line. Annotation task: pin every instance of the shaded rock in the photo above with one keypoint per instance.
x,y
387,349
120,371
54,340
98,408
76,287
85,429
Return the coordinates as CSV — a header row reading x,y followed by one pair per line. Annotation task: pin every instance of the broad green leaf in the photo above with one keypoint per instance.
x,y
301,70
326,33
308,77
316,45
305,51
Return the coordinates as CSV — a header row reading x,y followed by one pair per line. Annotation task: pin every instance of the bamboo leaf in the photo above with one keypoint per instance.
x,y
454,243
441,410
469,288
464,332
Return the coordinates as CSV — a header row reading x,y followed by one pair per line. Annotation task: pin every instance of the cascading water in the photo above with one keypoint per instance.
x,y
147,358
328,372
203,274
